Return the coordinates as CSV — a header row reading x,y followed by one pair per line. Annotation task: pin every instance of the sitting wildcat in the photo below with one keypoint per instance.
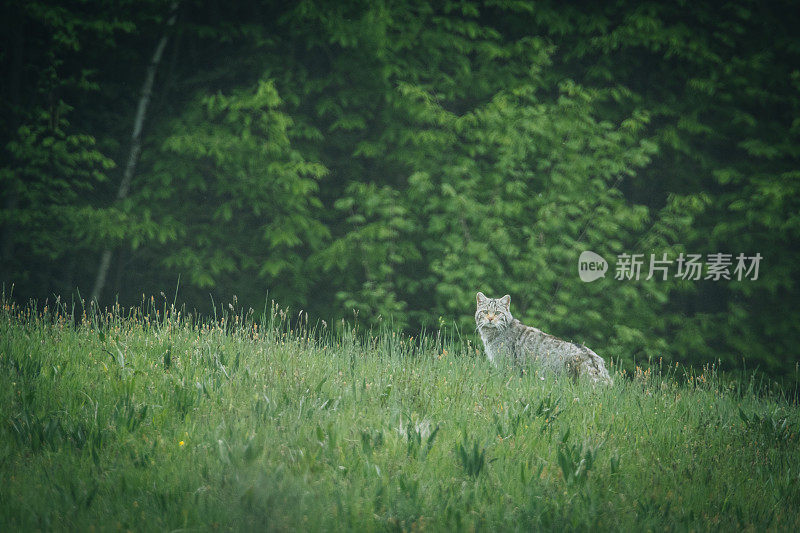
x,y
507,339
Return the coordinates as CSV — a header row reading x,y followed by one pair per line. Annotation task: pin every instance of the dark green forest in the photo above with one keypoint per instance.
x,y
384,160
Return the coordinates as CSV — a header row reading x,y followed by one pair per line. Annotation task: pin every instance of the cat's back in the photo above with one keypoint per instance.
x,y
551,353
533,339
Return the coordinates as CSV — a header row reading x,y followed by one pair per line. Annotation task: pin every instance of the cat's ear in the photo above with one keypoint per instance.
x,y
506,301
480,298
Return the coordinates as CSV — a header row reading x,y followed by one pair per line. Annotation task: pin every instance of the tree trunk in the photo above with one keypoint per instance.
x,y
136,145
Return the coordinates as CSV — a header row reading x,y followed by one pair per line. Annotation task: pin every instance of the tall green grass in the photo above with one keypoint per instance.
x,y
150,419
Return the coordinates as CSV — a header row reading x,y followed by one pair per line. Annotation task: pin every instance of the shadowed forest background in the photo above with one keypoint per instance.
x,y
394,157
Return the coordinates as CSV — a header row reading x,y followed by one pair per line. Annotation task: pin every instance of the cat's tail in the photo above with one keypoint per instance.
x,y
594,368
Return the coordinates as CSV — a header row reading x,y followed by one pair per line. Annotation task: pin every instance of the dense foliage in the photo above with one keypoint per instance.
x,y
391,158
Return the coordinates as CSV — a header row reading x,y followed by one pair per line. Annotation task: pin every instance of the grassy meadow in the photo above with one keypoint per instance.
x,y
148,419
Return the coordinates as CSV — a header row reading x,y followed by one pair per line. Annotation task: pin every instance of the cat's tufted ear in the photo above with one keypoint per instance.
x,y
480,298
506,301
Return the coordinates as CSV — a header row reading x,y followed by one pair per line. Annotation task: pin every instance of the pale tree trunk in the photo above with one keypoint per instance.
x,y
136,145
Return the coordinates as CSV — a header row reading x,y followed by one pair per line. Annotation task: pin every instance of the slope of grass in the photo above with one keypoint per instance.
x,y
152,421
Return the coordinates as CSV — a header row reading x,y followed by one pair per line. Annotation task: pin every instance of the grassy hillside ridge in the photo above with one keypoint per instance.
x,y
148,419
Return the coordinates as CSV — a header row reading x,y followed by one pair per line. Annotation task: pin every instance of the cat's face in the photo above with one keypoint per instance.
x,y
493,313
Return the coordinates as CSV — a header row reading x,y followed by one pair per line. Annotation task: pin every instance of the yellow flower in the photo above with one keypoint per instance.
x,y
181,443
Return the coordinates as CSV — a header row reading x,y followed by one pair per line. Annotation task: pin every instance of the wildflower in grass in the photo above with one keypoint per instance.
x,y
181,443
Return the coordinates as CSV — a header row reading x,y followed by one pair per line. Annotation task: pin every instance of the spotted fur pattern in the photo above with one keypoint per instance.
x,y
509,341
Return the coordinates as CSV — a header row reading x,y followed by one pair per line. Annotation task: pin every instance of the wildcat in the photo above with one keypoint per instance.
x,y
507,339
